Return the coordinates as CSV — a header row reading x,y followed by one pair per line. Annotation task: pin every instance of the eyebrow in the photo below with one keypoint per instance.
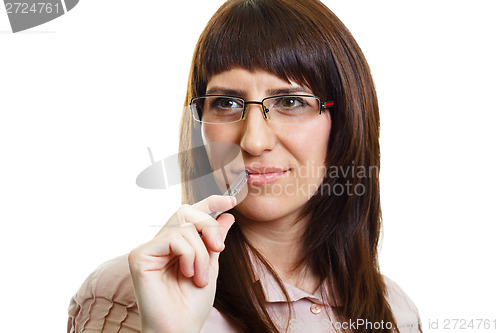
x,y
286,91
271,92
223,91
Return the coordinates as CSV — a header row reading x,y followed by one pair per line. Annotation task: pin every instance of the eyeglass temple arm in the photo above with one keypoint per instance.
x,y
326,105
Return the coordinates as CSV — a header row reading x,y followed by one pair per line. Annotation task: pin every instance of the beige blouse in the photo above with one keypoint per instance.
x,y
106,303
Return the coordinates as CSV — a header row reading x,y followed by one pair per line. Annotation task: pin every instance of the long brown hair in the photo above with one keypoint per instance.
x,y
304,42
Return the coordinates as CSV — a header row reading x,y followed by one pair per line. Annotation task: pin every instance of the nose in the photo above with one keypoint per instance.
x,y
257,136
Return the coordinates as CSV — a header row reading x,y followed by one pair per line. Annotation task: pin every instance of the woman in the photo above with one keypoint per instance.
x,y
286,82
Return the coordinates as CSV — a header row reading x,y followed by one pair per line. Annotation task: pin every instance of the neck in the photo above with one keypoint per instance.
x,y
280,242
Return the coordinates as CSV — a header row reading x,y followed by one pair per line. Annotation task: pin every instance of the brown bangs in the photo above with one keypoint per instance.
x,y
268,35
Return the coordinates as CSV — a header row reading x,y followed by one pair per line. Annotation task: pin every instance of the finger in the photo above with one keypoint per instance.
x,y
215,203
206,226
185,214
211,234
216,236
154,255
201,257
225,221
186,253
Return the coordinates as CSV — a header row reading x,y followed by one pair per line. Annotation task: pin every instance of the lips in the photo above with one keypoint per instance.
x,y
265,175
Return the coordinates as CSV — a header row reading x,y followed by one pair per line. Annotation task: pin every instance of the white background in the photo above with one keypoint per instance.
x,y
83,96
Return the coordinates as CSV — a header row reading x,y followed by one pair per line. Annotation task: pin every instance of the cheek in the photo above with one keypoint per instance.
x,y
218,133
321,136
207,133
310,143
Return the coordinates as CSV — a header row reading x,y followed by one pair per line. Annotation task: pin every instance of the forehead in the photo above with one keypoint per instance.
x,y
239,79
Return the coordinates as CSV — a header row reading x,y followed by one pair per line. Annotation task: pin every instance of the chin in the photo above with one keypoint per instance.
x,y
261,208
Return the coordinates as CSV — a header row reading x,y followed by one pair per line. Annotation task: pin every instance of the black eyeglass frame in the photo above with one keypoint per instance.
x,y
265,111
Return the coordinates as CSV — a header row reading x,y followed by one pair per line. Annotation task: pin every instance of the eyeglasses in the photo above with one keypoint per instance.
x,y
219,109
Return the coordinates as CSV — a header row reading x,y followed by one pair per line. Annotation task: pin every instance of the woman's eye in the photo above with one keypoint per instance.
x,y
290,102
228,103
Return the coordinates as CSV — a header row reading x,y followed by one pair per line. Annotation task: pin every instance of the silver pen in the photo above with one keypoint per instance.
x,y
234,189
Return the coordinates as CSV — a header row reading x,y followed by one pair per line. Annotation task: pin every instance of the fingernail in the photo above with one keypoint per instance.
x,y
205,277
234,201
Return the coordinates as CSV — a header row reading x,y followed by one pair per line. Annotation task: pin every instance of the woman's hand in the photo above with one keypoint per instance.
x,y
175,273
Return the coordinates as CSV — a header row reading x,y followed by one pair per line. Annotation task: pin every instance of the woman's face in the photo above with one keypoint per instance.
x,y
286,161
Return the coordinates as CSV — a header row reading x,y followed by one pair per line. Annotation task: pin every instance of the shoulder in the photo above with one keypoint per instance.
x,y
404,310
105,301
